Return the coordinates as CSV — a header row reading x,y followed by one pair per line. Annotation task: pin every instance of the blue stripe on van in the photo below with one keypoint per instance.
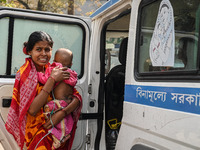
x,y
173,98
104,7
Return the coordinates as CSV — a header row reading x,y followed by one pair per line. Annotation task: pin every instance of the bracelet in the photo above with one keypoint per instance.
x,y
53,78
45,91
64,111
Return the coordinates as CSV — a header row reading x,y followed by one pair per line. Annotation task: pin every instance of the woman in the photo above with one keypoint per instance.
x,y
25,120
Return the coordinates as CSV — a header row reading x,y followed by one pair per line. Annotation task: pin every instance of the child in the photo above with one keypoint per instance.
x,y
62,94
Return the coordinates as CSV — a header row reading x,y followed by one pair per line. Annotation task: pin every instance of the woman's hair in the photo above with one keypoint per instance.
x,y
35,37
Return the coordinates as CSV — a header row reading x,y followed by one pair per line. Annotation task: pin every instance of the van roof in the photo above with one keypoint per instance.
x,y
104,7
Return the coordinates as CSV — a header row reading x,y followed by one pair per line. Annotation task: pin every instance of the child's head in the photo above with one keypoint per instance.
x,y
64,56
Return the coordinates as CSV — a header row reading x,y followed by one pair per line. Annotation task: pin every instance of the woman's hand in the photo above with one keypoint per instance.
x,y
57,74
60,74
59,115
56,118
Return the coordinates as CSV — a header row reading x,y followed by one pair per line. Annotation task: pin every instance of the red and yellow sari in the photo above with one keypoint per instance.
x,y
25,127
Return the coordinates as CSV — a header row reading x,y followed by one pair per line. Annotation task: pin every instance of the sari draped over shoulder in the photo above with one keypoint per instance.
x,y
25,127
24,92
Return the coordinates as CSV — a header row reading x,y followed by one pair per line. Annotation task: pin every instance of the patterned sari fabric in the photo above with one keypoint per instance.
x,y
36,136
24,92
25,127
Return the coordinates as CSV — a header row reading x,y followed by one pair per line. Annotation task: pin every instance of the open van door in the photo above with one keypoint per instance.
x,y
66,31
110,30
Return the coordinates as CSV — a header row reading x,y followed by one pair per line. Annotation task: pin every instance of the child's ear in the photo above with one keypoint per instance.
x,y
71,64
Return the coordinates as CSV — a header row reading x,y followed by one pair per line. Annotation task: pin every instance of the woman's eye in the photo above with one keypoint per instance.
x,y
47,49
38,49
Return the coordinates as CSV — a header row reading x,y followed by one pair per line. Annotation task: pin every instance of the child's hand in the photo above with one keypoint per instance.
x,y
60,74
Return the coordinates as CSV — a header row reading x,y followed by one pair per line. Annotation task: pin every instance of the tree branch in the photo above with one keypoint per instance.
x,y
23,3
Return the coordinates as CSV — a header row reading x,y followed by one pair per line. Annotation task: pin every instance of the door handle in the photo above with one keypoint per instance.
x,y
6,102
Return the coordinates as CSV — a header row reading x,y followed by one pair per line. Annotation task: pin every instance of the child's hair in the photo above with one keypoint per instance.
x,y
36,37
64,56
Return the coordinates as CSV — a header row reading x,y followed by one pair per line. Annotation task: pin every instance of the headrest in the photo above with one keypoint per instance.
x,y
123,51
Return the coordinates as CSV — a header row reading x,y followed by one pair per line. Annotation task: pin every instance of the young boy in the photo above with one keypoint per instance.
x,y
62,95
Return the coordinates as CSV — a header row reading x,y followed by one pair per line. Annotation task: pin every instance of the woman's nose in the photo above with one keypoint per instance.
x,y
43,52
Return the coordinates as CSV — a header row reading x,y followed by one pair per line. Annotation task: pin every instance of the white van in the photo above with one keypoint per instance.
x,y
150,47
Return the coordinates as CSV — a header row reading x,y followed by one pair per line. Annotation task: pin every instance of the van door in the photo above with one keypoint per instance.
x,y
110,29
161,104
66,31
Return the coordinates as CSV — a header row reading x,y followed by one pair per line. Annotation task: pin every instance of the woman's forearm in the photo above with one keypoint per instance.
x,y
57,75
41,99
58,116
72,106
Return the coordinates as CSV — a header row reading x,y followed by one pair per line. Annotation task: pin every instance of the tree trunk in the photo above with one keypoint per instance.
x,y
70,8
39,5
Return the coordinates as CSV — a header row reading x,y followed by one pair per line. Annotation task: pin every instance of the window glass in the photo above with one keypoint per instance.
x,y
64,36
186,33
113,41
4,24
116,31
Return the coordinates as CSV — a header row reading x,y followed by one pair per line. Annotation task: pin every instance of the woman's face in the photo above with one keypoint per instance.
x,y
41,54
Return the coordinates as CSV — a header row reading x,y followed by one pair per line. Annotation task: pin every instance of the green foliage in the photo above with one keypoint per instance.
x,y
3,1
56,6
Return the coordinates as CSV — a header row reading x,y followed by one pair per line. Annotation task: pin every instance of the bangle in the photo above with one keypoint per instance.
x,y
53,78
45,91
64,111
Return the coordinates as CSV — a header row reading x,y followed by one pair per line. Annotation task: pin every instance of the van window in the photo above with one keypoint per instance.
x,y
4,24
64,35
185,26
113,41
116,32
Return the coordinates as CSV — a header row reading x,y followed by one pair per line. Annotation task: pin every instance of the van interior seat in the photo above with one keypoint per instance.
x,y
114,87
